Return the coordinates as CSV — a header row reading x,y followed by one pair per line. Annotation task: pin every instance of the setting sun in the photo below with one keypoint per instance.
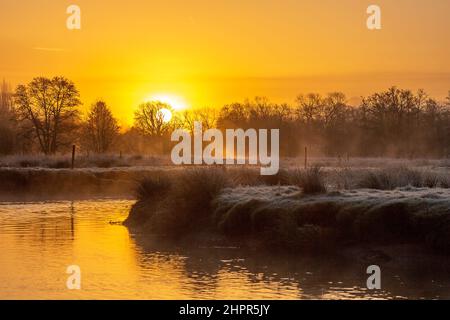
x,y
176,102
166,115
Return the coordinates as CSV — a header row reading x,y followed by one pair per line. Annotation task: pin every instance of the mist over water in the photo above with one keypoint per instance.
x,y
39,240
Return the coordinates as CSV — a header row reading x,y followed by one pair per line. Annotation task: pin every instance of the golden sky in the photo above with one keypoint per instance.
x,y
208,53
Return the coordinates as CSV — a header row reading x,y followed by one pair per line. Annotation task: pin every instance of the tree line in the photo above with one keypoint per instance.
x,y
44,116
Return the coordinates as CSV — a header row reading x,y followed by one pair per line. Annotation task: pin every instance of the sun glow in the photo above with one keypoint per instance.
x,y
175,102
166,115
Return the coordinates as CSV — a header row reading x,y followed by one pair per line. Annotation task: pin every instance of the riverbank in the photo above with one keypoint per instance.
x,y
202,205
48,183
36,184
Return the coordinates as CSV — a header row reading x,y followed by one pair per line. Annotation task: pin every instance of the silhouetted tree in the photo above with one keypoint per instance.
x,y
392,119
50,106
394,122
310,108
233,115
207,116
101,128
337,125
150,119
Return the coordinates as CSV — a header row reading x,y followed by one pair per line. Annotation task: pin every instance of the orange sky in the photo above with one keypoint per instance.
x,y
218,51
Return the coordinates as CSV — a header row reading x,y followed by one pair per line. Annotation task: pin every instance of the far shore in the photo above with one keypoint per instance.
x,y
41,178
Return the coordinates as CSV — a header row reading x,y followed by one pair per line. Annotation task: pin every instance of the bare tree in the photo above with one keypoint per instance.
x,y
233,115
207,116
261,109
151,118
101,128
50,105
310,108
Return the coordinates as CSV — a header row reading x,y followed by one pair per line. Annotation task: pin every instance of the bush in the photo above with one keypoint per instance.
x,y
444,182
179,204
377,180
391,178
311,180
152,186
431,181
195,190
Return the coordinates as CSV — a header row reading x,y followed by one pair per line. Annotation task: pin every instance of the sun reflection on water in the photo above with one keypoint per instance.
x,y
39,240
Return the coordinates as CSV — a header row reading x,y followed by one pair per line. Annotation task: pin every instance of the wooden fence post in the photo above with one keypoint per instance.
x,y
306,157
73,156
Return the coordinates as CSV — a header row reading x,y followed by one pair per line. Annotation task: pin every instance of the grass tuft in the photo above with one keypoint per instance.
x,y
311,180
152,186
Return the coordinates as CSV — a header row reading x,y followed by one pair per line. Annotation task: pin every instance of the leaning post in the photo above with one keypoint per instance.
x,y
73,156
306,157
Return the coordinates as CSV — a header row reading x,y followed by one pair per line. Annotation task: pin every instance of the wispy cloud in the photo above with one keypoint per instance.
x,y
48,49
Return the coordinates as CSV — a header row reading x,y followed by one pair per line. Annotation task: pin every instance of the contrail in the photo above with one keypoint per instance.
x,y
48,49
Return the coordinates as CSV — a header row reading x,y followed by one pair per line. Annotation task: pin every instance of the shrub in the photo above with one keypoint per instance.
x,y
175,206
431,180
376,180
152,186
391,178
311,180
195,190
444,182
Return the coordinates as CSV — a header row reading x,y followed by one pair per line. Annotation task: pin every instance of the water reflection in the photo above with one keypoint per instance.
x,y
39,240
72,219
223,273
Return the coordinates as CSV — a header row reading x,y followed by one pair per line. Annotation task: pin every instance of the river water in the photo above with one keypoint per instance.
x,y
38,241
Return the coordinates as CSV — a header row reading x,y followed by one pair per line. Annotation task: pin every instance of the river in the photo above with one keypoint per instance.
x,y
38,241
